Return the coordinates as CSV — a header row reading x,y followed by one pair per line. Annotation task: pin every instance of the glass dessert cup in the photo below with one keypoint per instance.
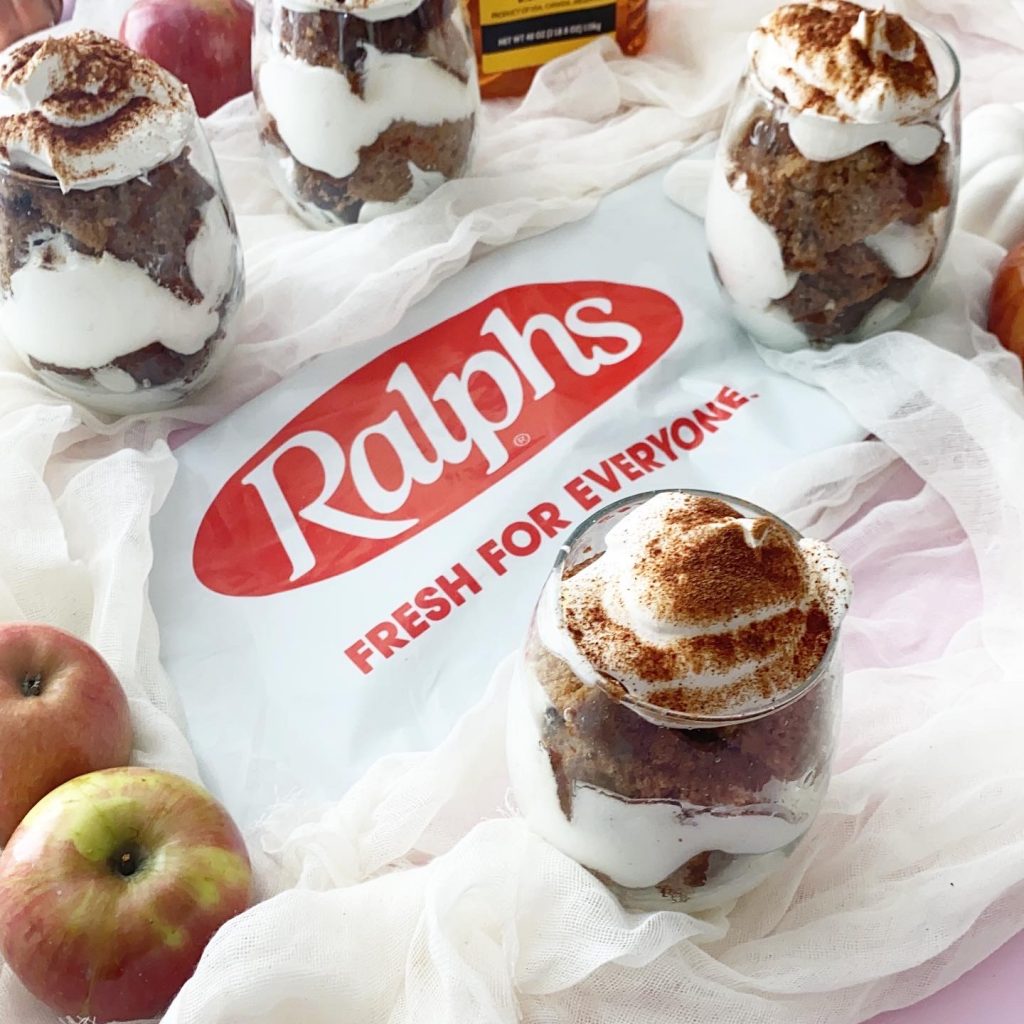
x,y
823,231
667,809
121,296
363,110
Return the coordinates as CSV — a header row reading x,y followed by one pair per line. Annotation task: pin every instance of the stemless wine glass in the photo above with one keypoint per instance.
x,y
121,296
364,108
666,808
823,231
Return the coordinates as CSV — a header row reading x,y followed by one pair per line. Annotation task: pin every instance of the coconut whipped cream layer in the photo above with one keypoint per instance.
x,y
697,609
89,112
850,77
325,124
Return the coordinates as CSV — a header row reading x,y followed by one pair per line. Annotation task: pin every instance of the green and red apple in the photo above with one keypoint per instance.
x,y
62,714
111,888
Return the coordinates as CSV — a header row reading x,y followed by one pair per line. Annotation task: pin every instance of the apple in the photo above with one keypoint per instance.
x,y
1006,311
62,713
111,888
20,18
205,43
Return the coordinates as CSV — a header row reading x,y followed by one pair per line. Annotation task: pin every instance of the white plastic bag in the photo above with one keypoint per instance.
x,y
343,563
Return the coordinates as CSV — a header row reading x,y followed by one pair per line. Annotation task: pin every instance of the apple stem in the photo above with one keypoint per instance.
x,y
126,861
32,686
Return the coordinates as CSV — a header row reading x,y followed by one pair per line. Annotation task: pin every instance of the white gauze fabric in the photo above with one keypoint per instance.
x,y
420,896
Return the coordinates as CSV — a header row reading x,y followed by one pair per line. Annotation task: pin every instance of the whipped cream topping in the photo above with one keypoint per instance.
x,y
836,59
88,111
696,609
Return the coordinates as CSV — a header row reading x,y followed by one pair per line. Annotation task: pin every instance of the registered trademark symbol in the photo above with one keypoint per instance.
x,y
521,440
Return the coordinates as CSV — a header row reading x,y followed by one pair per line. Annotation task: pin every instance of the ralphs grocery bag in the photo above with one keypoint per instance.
x,y
343,562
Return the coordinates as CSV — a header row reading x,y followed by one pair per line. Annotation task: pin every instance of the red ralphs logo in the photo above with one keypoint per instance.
x,y
424,428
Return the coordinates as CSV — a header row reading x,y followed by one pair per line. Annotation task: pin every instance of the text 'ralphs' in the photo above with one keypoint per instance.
x,y
428,425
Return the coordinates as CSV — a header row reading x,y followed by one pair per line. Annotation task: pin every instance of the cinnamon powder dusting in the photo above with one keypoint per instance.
x,y
856,48
730,598
98,93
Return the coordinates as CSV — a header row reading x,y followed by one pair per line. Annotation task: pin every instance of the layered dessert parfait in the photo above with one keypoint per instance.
x,y
832,196
366,106
674,711
120,267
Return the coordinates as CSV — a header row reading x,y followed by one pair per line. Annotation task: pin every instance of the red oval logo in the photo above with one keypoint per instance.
x,y
424,428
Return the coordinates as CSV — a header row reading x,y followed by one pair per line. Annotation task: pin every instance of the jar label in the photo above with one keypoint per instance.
x,y
527,33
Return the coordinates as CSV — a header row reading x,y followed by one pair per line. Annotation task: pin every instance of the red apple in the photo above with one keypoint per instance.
x,y
62,713
111,888
205,43
1006,312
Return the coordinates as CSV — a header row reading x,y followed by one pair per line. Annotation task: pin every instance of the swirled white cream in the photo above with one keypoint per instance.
x,y
850,78
324,123
604,831
58,310
695,608
905,248
88,111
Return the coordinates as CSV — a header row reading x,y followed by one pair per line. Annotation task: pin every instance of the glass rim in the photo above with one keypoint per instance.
x,y
937,107
678,719
36,179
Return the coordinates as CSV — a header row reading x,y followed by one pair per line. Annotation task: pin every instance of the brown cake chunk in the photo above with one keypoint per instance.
x,y
821,213
819,208
594,740
150,222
